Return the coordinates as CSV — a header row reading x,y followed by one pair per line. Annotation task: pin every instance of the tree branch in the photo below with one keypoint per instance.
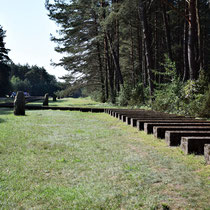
x,y
176,10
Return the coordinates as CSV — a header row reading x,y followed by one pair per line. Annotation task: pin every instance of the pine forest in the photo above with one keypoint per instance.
x,y
153,53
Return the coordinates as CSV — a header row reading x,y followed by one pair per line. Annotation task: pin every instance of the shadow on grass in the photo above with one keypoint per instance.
x,y
4,111
60,101
40,103
6,100
2,120
51,103
55,103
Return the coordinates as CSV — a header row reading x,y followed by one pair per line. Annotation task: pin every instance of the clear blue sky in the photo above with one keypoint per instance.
x,y
28,30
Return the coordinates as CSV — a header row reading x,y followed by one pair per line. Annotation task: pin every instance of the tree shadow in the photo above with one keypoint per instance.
x,y
2,120
4,111
54,103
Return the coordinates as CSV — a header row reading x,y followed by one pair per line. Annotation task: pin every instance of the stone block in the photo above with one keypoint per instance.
x,y
148,127
128,120
123,118
207,153
159,132
173,138
119,116
194,145
140,122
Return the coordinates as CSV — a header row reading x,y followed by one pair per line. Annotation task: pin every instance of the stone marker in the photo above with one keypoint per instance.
x,y
45,103
19,103
194,145
207,153
54,97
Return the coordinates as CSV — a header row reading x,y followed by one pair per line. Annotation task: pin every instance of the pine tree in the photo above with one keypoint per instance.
x,y
4,69
109,44
79,41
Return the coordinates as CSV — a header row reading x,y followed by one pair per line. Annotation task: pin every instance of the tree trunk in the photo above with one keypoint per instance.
x,y
139,50
147,42
100,63
185,46
200,50
111,72
133,74
192,40
156,46
106,57
115,46
115,60
101,74
167,32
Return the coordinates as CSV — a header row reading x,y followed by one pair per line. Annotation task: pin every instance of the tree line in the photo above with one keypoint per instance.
x,y
32,79
136,47
4,69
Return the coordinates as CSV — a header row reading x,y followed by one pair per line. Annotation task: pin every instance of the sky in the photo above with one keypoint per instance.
x,y
28,30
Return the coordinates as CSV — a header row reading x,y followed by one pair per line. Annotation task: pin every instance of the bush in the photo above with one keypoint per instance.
x,y
139,95
196,99
96,96
168,98
168,95
20,85
205,107
189,98
124,95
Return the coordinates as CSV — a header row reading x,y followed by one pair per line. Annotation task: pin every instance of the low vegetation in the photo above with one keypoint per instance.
x,y
81,102
75,102
6,100
151,53
74,160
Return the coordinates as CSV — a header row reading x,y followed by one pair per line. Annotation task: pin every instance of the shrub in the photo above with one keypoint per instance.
x,y
168,98
205,107
139,95
96,96
168,95
124,95
196,96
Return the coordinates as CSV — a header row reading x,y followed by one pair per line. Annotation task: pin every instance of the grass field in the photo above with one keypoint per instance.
x,y
74,160
6,100
73,102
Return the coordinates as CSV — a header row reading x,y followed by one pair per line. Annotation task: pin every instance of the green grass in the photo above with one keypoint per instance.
x,y
6,100
74,160
81,102
73,102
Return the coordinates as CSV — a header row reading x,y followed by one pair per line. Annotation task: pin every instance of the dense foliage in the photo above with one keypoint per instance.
x,y
32,79
4,69
119,49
